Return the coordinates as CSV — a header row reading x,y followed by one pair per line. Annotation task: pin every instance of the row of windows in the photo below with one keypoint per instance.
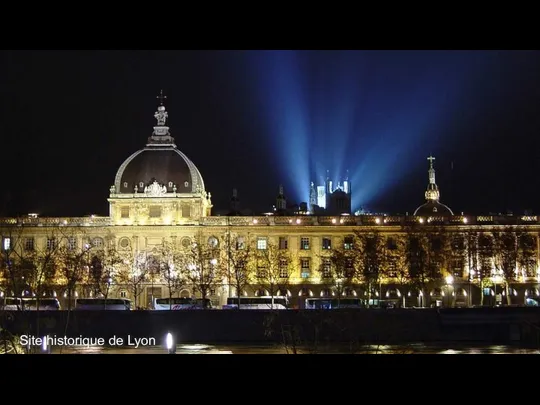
x,y
29,244
155,211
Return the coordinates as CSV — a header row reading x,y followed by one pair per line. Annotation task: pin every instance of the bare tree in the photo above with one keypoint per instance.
x,y
172,264
485,252
395,264
274,267
74,265
202,267
339,269
370,250
104,264
527,253
133,273
238,262
426,255
28,267
505,257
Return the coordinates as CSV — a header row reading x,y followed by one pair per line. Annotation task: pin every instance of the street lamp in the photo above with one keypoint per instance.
x,y
169,341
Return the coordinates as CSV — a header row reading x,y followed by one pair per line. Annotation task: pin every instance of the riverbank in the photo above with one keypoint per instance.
x,y
291,328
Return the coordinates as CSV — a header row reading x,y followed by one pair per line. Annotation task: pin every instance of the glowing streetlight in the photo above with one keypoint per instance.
x,y
449,280
171,347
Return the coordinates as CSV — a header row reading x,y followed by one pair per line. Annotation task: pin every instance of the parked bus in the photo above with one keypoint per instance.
x,y
45,304
334,303
10,304
265,302
98,304
176,304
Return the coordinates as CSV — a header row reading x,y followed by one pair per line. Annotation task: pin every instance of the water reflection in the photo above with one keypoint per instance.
x,y
415,348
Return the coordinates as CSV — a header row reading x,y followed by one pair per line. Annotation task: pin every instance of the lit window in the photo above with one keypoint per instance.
x,y
51,243
125,184
240,243
305,268
29,244
283,268
97,242
261,243
348,243
326,243
72,243
6,244
326,269
304,243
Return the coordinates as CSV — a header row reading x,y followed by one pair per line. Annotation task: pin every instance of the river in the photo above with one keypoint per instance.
x,y
415,348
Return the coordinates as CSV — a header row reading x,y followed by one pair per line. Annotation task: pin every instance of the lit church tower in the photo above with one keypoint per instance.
x,y
281,202
312,198
346,185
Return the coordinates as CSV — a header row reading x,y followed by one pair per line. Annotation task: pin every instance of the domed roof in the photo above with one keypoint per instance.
x,y
167,166
433,208
159,165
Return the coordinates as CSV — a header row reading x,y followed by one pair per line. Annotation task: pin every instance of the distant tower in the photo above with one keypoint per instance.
x,y
281,202
312,197
235,202
346,185
432,192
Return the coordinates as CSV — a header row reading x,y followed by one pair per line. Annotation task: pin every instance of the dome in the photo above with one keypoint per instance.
x,y
433,208
160,167
166,165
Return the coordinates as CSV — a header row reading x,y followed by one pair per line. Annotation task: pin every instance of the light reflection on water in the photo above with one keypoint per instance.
x,y
417,348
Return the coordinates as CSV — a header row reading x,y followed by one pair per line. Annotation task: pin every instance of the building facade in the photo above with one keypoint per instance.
x,y
161,239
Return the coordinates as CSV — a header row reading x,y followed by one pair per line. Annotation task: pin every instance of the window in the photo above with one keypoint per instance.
x,y
97,242
283,243
326,268
261,271
154,211
141,184
457,267
261,243
349,268
170,184
391,243
458,243
348,243
304,267
125,184
124,243
72,243
186,211
304,243
124,212
283,268
392,267
123,294
326,243
240,243
212,242
29,244
51,243
6,243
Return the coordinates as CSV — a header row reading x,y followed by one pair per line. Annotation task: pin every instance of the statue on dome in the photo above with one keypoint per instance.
x,y
161,116
155,189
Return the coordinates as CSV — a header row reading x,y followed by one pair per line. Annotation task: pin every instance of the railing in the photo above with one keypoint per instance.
x,y
299,220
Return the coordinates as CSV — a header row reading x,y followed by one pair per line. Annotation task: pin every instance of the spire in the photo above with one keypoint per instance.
x,y
432,192
161,135
281,202
312,197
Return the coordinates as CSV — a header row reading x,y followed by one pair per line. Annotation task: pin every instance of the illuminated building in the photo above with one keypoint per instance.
x,y
159,195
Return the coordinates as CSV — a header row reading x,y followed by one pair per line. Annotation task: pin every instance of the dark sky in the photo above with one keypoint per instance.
x,y
68,119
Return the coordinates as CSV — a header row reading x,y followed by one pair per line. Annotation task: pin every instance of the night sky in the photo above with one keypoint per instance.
x,y
255,119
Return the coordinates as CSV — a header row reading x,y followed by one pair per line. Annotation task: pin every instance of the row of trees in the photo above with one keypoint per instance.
x,y
419,258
